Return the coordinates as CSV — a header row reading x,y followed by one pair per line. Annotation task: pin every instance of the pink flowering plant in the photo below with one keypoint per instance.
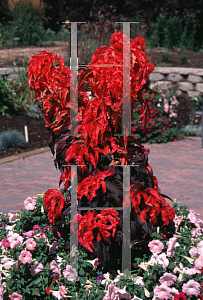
x,y
36,265
162,125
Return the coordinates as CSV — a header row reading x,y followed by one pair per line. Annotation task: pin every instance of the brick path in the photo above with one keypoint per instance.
x,y
178,167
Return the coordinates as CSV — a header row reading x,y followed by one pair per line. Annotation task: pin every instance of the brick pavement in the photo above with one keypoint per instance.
x,y
178,167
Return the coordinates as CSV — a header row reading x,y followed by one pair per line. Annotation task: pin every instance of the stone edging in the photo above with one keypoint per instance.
x,y
187,81
23,155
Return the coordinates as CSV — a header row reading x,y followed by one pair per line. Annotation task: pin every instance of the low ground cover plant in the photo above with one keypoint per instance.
x,y
11,139
36,265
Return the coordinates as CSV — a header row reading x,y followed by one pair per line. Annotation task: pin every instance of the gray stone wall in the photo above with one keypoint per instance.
x,y
183,80
11,73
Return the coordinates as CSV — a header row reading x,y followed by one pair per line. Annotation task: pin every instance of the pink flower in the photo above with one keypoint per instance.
x,y
200,248
193,251
15,296
191,288
7,262
41,235
6,243
62,290
178,221
25,256
55,268
199,262
156,246
114,292
192,216
191,271
163,292
29,203
70,273
163,260
30,244
15,240
172,243
36,268
168,278
29,233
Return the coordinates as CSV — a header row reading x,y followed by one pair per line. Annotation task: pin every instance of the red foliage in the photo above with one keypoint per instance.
x,y
93,225
99,119
54,203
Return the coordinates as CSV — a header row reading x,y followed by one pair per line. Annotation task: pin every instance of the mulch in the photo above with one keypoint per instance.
x,y
38,134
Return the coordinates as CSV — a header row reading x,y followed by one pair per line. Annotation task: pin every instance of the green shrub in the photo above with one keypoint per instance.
x,y
158,31
173,32
12,139
2,34
165,57
188,35
183,59
162,125
27,21
7,97
25,94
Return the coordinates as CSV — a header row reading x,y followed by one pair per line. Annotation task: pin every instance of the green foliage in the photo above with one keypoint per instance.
x,y
25,94
165,57
164,64
7,97
62,36
183,59
193,130
2,34
27,23
188,35
162,126
173,32
33,110
158,31
11,139
197,103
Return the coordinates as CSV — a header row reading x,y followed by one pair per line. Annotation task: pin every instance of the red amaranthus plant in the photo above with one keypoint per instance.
x,y
99,151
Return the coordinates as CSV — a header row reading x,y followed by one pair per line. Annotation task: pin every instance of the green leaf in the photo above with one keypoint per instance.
x,y
81,272
27,290
35,282
36,292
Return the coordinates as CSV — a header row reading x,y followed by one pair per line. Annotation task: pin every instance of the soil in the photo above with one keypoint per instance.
x,y
38,133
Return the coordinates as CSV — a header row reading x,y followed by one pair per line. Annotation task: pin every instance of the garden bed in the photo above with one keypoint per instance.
x,y
38,134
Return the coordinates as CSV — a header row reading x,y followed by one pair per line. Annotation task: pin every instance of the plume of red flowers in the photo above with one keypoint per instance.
x,y
97,150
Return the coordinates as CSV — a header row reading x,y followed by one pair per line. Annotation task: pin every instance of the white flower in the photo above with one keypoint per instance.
x,y
7,262
10,217
94,262
59,259
56,294
138,280
107,279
